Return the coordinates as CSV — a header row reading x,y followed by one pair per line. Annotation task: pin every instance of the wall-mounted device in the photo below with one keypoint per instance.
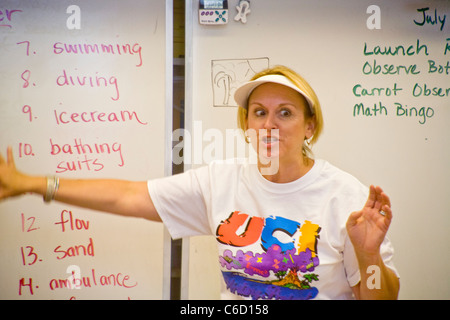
x,y
213,12
243,9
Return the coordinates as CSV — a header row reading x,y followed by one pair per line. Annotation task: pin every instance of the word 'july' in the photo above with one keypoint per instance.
x,y
428,19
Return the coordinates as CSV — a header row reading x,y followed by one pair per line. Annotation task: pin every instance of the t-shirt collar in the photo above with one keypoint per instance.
x,y
288,187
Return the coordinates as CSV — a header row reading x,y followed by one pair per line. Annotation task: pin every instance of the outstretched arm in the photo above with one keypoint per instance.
x,y
367,229
120,197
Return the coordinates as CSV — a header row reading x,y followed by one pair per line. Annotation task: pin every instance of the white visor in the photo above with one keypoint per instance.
x,y
243,92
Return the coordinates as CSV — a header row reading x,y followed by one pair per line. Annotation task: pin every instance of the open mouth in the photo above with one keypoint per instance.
x,y
268,146
269,140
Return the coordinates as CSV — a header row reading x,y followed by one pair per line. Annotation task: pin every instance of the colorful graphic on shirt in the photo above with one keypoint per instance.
x,y
291,263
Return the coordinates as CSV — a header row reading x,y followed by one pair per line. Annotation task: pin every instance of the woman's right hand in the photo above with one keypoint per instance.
x,y
12,182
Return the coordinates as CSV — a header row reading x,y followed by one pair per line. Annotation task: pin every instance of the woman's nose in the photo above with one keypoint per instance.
x,y
270,122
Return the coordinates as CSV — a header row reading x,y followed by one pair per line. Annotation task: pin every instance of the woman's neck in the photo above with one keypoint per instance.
x,y
286,172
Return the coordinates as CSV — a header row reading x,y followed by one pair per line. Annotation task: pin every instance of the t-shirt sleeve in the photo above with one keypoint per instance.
x,y
180,202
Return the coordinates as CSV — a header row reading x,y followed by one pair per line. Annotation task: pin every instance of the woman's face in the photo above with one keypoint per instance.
x,y
277,114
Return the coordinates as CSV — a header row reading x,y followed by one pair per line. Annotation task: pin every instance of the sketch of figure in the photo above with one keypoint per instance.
x,y
227,75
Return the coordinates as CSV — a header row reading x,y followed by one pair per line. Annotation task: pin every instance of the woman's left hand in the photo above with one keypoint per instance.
x,y
368,227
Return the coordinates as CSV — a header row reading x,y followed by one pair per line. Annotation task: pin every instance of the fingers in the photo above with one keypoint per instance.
x,y
370,203
385,199
2,160
10,156
387,209
377,198
383,203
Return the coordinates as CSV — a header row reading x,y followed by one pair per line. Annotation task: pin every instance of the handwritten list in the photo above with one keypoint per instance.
x,y
406,72
85,101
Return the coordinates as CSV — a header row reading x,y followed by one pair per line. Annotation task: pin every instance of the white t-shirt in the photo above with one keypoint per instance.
x,y
275,241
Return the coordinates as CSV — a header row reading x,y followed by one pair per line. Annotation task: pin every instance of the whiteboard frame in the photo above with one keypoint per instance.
x,y
167,240
395,232
188,91
167,134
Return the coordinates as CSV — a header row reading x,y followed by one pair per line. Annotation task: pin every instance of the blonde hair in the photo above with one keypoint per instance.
x,y
301,83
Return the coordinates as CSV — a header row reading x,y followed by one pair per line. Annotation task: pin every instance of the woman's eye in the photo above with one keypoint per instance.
x,y
285,113
259,113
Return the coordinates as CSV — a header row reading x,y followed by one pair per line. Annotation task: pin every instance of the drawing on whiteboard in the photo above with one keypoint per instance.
x,y
227,75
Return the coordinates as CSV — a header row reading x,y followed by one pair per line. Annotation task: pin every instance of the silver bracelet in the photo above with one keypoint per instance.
x,y
52,187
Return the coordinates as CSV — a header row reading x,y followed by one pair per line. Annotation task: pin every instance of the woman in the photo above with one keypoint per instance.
x,y
288,227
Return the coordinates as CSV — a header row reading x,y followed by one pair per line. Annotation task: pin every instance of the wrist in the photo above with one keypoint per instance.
x,y
33,184
368,258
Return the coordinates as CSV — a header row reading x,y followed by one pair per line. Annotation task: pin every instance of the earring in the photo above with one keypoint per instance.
x,y
308,141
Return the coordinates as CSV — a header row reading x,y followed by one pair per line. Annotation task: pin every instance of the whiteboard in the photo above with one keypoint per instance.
x,y
83,95
395,135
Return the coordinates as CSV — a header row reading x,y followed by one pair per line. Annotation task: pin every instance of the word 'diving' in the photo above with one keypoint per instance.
x,y
88,81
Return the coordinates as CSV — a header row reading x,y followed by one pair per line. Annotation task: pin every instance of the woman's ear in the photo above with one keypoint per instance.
x,y
310,127
246,134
